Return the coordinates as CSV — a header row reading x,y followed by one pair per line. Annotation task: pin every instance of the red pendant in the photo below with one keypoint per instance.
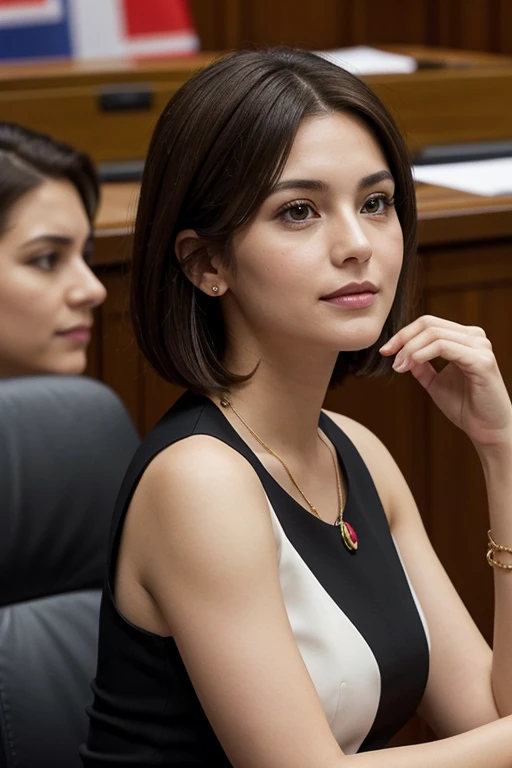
x,y
349,536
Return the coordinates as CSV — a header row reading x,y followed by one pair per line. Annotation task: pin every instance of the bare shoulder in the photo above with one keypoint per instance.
x,y
199,464
383,468
198,495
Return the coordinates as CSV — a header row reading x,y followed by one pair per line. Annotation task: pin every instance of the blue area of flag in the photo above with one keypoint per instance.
x,y
37,41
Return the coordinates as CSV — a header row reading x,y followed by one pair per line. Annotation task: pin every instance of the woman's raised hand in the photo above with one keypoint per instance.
x,y
469,390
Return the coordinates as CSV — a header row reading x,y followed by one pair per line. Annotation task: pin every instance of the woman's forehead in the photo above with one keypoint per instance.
x,y
55,206
334,142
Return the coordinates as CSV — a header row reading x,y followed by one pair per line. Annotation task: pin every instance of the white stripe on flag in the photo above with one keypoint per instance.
x,y
171,42
97,32
24,15
96,28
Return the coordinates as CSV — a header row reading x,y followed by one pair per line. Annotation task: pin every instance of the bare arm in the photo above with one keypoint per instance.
x,y
487,745
497,465
471,393
207,554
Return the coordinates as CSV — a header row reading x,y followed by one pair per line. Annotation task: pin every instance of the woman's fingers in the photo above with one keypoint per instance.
x,y
426,338
424,373
423,323
472,359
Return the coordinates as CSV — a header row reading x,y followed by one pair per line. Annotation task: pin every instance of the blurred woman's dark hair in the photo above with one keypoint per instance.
x,y
28,158
217,150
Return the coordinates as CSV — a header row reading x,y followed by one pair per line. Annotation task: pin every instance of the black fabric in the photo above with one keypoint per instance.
x,y
145,710
369,586
65,444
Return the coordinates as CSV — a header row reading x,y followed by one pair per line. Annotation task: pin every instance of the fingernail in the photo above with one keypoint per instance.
x,y
400,364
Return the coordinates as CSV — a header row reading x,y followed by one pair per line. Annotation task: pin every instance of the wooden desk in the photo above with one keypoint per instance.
x,y
64,99
459,96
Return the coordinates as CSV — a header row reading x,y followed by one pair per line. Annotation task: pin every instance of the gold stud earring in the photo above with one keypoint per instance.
x,y
215,288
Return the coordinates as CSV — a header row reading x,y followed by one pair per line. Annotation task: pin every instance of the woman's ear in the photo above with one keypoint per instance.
x,y
197,264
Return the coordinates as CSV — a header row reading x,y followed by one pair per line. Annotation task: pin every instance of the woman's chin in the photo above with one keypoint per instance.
x,y
359,342
71,365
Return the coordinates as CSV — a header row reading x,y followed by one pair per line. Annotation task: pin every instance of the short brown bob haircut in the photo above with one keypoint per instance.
x,y
218,149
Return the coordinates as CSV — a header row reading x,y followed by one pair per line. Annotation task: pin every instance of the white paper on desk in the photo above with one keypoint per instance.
x,y
481,177
363,60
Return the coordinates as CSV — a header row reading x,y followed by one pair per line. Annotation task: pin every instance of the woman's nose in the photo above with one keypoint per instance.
x,y
349,240
86,289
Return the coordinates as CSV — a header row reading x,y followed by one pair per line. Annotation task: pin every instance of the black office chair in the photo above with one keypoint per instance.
x,y
65,443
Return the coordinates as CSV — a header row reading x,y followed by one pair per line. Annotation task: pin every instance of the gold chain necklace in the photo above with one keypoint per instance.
x,y
348,533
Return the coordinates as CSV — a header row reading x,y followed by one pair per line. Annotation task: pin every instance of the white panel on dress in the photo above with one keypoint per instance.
x,y
339,660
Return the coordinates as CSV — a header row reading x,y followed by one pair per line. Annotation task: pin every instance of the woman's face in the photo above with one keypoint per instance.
x,y
47,290
330,222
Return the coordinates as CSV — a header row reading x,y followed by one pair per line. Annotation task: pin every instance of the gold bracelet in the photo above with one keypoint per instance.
x,y
493,548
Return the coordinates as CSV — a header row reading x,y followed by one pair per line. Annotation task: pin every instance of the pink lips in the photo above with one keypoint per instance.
x,y
353,295
81,334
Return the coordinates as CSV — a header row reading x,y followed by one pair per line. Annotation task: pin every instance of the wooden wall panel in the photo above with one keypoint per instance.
x,y
504,23
236,24
394,21
218,23
296,22
469,24
208,21
121,361
483,25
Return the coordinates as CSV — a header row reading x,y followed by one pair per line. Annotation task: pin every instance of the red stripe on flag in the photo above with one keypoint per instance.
x,y
156,17
14,3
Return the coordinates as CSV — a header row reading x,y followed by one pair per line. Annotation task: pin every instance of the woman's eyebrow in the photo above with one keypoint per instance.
x,y
57,240
375,178
50,239
310,184
316,185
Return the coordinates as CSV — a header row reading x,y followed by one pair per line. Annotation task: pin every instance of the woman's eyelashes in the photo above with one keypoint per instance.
x,y
51,260
378,204
298,212
45,261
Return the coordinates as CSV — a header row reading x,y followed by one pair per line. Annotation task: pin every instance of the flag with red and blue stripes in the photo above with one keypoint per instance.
x,y
86,29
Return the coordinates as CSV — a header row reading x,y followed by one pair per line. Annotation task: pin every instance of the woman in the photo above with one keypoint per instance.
x,y
257,612
48,200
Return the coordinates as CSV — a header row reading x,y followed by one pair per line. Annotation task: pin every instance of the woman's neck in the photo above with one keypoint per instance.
x,y
283,400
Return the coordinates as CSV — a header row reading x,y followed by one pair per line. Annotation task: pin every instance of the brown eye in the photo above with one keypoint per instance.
x,y
299,212
46,261
374,205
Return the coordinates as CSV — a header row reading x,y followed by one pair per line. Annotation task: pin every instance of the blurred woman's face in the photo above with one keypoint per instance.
x,y
47,290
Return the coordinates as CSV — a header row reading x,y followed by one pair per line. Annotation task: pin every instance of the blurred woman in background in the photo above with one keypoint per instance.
x,y
48,200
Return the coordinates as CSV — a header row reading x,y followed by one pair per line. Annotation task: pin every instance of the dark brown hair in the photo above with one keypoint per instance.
x,y
28,158
217,150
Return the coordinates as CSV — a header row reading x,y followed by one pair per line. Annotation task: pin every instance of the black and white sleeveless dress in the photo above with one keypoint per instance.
x,y
355,617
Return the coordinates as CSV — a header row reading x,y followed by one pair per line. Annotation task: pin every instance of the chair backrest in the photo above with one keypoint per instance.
x,y
65,444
